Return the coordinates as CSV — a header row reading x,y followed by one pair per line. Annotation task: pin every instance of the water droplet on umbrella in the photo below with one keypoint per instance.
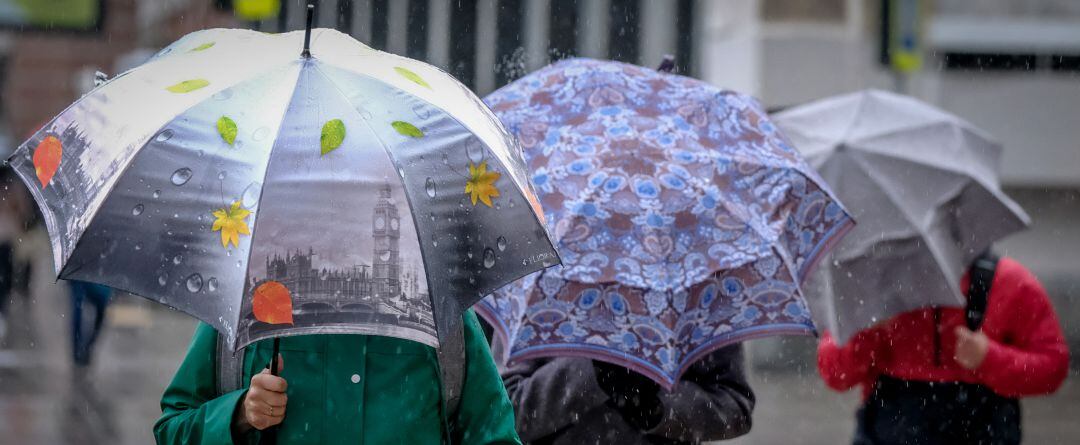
x,y
138,246
178,259
385,256
510,202
421,111
223,95
469,254
430,187
250,197
501,242
472,280
489,258
181,176
157,194
239,264
137,210
211,284
194,283
434,240
260,134
401,172
221,176
162,278
474,151
445,158
164,136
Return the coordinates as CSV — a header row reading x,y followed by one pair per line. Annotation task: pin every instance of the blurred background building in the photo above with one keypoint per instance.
x,y
1011,67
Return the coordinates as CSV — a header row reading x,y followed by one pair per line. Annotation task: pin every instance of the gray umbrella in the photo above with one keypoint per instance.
x,y
923,185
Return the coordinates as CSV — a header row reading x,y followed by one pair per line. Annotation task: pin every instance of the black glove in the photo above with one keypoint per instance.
x,y
634,396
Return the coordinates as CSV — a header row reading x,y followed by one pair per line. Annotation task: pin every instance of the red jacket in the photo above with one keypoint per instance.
x,y
1027,354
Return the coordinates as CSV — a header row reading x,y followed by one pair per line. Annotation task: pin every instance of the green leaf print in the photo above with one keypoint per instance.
x,y
407,129
333,134
227,129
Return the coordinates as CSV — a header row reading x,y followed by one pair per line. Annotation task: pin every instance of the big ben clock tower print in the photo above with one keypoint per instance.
x,y
386,270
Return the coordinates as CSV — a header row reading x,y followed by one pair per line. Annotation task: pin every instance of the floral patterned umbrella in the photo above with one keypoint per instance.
x,y
270,193
685,220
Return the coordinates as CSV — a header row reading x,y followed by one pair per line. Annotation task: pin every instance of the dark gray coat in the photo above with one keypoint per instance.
x,y
558,401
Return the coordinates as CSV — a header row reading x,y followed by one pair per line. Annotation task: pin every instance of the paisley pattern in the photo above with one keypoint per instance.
x,y
684,219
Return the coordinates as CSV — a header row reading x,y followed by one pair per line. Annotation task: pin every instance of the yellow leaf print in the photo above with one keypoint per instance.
x,y
481,184
230,222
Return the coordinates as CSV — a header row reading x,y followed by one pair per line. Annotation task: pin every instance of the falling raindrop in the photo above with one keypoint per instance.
x,y
211,284
164,136
250,197
489,258
260,134
194,283
157,194
178,259
430,187
474,151
137,210
162,278
501,242
181,176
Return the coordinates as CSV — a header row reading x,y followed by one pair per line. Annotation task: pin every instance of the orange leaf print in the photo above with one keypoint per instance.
x,y
47,159
272,303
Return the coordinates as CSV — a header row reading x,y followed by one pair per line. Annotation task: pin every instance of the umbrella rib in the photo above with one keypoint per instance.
x,y
266,172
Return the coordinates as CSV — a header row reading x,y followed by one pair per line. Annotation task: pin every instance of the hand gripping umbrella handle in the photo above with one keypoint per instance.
x,y
269,437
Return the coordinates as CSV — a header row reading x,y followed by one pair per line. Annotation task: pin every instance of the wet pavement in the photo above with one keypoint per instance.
x,y
44,400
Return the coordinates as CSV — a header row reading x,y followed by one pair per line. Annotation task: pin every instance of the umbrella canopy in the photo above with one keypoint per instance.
x,y
269,193
685,220
923,185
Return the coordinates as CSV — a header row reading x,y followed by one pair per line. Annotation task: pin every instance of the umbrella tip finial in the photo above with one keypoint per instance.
x,y
307,30
667,64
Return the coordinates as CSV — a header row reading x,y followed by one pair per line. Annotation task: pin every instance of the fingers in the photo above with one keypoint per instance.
x,y
269,382
962,332
265,402
260,415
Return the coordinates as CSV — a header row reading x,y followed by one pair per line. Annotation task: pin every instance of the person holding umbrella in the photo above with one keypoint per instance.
x,y
322,207
942,336
686,223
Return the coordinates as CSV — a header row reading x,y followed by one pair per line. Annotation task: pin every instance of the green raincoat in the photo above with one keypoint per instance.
x,y
344,389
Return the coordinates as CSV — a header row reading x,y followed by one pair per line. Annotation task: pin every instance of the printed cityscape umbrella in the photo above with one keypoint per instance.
x,y
923,185
685,220
270,193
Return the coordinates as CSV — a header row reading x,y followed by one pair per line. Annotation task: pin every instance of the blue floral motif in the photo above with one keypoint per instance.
x,y
690,196
646,188
656,301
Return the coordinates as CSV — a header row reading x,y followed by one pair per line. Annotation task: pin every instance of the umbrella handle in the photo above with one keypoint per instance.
x,y
307,31
269,437
667,65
